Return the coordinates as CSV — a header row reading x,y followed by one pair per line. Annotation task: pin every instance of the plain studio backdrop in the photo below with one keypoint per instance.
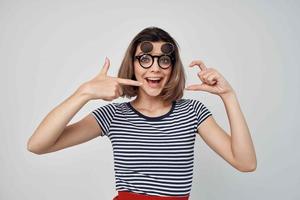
x,y
49,48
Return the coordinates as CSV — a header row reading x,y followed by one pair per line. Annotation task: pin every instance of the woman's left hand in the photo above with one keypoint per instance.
x,y
212,80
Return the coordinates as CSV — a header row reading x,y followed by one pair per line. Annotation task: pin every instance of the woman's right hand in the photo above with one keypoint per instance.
x,y
105,87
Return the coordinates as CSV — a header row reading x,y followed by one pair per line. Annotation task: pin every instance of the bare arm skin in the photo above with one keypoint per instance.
x,y
237,148
54,124
53,134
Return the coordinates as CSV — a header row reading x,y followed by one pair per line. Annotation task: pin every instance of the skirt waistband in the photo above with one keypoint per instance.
x,y
125,195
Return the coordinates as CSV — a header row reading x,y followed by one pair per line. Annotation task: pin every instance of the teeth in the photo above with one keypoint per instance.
x,y
154,79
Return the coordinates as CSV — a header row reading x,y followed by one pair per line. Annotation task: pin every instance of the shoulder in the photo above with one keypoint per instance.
x,y
193,102
109,108
112,105
198,106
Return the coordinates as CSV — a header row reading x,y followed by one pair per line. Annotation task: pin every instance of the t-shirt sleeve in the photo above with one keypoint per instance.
x,y
202,112
104,116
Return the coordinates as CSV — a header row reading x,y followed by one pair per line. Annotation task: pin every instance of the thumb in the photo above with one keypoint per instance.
x,y
201,87
105,67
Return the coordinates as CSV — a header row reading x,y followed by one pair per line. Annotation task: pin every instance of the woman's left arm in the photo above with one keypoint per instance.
x,y
237,149
241,142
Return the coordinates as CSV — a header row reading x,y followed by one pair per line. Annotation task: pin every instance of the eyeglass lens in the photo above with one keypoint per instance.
x,y
163,61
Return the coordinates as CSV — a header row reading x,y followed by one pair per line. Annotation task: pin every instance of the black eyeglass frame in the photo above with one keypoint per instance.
x,y
153,57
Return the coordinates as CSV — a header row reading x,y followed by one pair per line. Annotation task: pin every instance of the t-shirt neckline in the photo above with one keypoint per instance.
x,y
153,118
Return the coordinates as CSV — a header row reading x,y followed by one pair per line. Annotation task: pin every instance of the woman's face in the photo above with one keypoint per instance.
x,y
155,72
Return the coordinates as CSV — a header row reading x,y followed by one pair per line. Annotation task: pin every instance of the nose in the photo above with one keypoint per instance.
x,y
155,65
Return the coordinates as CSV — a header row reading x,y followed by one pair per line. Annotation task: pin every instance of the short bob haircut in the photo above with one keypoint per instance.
x,y
174,88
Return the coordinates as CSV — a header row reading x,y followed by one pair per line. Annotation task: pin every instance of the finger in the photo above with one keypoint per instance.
x,y
120,90
105,67
202,73
129,82
211,78
199,63
205,72
202,87
203,76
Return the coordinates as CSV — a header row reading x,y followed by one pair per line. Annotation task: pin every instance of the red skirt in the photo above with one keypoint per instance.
x,y
124,195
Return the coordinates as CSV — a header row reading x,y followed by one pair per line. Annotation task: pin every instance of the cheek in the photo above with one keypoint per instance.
x,y
139,73
168,75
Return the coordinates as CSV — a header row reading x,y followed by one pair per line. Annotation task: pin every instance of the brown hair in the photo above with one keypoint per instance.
x,y
174,88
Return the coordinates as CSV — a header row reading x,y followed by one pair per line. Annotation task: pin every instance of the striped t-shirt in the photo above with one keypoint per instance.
x,y
153,155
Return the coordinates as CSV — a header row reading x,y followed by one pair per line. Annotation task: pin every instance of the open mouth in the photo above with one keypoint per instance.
x,y
153,82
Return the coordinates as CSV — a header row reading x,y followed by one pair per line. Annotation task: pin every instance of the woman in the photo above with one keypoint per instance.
x,y
153,135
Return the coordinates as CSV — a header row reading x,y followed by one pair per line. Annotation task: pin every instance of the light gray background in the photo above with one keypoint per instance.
x,y
48,48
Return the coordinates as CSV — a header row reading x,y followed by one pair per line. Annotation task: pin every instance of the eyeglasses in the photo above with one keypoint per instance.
x,y
147,60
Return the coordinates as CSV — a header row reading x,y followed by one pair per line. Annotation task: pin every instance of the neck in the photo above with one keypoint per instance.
x,y
150,102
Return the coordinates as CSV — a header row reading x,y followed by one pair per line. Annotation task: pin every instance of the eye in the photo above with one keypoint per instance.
x,y
145,59
165,60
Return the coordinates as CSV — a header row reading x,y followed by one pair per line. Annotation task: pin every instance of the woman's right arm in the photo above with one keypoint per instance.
x,y
53,125
53,134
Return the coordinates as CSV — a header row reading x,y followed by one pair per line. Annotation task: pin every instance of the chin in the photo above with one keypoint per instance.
x,y
152,91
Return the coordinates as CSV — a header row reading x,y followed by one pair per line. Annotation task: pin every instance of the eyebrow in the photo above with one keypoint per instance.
x,y
148,53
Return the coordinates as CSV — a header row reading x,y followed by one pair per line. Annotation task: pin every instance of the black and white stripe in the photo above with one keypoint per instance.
x,y
153,155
